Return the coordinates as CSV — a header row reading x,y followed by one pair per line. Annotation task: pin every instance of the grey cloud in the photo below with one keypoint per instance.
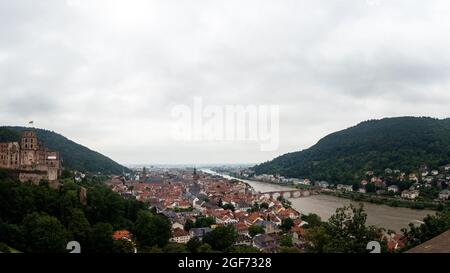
x,y
106,73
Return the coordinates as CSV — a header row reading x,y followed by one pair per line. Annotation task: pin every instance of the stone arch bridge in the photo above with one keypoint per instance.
x,y
297,193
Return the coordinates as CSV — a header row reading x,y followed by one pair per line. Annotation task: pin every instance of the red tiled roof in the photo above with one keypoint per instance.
x,y
241,226
119,234
178,232
300,231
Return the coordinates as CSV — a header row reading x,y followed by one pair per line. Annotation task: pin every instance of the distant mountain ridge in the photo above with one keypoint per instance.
x,y
399,143
74,156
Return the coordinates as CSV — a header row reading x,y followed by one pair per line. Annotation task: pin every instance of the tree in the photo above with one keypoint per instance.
x,y
370,187
221,238
188,225
286,240
432,226
243,249
66,174
228,206
205,248
264,205
19,200
12,235
78,226
105,206
100,239
193,245
345,232
287,224
318,239
175,248
153,249
350,233
123,246
204,222
253,230
4,248
151,230
312,219
44,234
255,207
289,249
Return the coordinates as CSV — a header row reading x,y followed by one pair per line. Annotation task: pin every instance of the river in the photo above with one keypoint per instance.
x,y
393,218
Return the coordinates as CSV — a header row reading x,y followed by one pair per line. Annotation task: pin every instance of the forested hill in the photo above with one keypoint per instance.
x,y
74,156
402,143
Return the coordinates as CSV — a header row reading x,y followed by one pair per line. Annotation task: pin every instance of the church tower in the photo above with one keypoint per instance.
x,y
195,174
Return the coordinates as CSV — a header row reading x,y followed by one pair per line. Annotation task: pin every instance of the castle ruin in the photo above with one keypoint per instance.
x,y
31,160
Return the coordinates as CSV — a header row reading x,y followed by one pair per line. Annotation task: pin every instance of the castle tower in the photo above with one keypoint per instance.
x,y
29,146
29,141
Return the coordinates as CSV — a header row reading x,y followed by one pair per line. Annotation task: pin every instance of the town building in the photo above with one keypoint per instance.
x,y
243,240
298,235
268,226
199,232
265,243
444,195
410,194
322,184
412,177
345,187
180,236
393,188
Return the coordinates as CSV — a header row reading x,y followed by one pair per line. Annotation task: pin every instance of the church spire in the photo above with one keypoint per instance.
x,y
195,174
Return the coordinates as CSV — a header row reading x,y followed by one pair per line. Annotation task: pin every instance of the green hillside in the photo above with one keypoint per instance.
x,y
74,156
398,143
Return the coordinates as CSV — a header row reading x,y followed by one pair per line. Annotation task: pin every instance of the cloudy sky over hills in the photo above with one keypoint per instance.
x,y
107,74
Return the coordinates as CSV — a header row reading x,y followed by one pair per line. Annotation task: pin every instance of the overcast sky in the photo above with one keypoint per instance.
x,y
107,74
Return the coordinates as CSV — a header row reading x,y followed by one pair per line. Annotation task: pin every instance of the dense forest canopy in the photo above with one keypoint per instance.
x,y
74,156
39,219
402,143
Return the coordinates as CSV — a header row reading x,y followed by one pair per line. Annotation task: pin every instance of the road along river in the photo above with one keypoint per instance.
x,y
325,205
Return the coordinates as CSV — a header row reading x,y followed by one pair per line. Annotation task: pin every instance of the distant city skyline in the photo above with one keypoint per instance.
x,y
107,74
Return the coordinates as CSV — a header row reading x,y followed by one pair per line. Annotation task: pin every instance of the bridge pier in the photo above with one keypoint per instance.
x,y
291,193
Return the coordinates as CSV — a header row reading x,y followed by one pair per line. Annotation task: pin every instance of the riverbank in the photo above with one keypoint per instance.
x,y
363,197
388,201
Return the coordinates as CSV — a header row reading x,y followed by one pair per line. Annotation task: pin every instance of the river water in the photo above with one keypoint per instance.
x,y
325,205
